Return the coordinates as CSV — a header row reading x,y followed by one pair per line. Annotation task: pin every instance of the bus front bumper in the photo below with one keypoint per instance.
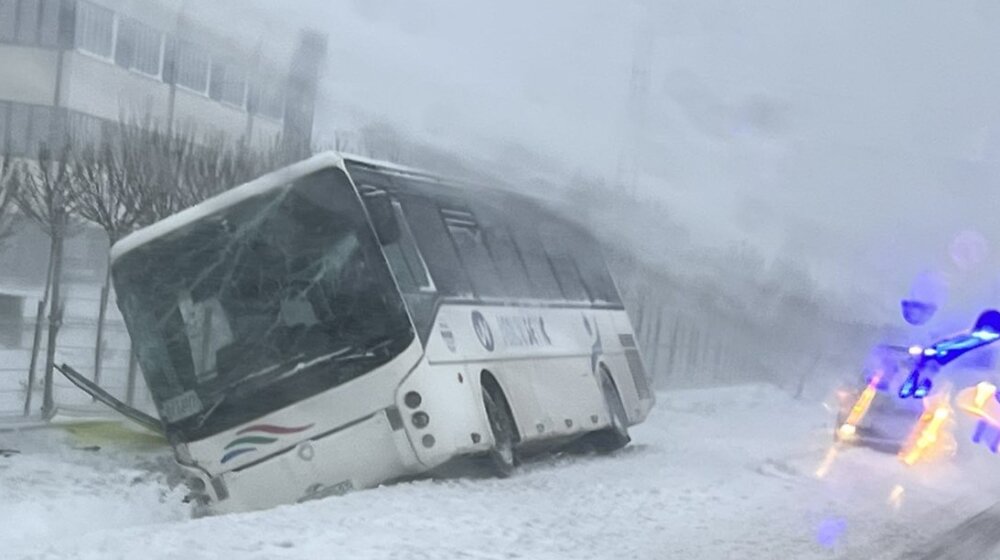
x,y
362,454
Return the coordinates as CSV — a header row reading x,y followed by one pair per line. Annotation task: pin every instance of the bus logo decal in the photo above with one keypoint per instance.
x,y
519,331
252,438
483,331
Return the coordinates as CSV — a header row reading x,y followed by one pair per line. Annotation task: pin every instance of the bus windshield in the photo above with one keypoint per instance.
x,y
259,305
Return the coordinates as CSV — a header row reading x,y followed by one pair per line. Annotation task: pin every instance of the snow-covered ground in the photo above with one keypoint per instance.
x,y
727,473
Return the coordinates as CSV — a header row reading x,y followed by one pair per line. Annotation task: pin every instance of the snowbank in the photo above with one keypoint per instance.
x,y
728,473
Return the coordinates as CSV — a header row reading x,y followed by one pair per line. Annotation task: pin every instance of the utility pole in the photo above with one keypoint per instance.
x,y
301,93
627,176
636,111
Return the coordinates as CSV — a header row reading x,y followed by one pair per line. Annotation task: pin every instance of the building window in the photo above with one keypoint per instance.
x,y
87,130
139,48
27,127
8,20
27,21
18,128
30,22
95,29
41,130
11,320
228,84
48,25
192,67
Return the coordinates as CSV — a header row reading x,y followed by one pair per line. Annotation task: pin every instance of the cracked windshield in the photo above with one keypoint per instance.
x,y
573,279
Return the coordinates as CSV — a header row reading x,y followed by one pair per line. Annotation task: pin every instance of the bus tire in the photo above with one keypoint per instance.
x,y
502,456
615,436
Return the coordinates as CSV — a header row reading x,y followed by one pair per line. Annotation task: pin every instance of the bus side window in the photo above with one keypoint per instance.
x,y
513,276
557,242
404,258
540,273
411,255
593,269
436,247
468,239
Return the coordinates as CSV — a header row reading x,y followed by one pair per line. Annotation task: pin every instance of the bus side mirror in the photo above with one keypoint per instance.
x,y
383,218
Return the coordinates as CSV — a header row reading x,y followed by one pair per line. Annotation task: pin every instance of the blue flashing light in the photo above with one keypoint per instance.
x,y
987,435
909,386
985,335
977,434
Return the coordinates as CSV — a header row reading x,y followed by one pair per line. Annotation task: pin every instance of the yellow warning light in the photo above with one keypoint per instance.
x,y
932,437
850,426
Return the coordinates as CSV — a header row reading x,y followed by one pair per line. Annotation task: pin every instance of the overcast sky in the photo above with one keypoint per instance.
x,y
858,137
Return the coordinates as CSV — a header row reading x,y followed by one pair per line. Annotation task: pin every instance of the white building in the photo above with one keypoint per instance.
x,y
75,68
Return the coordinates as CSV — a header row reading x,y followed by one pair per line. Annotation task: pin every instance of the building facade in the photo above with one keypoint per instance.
x,y
78,65
76,69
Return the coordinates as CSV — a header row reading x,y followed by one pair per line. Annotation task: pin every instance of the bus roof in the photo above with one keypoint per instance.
x,y
420,181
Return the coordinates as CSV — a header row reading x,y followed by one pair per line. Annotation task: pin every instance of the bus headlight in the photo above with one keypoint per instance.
x,y
420,420
412,399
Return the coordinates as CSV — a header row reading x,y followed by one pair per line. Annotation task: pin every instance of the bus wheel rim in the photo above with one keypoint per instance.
x,y
499,425
614,407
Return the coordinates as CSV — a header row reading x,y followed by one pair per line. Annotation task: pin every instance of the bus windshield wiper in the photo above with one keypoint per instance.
x,y
366,350
292,367
231,388
343,354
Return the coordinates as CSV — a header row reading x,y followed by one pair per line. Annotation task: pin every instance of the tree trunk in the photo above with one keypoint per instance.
x,y
55,322
101,316
39,319
39,325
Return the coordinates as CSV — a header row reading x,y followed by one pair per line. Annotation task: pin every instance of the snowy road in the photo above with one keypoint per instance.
x,y
723,474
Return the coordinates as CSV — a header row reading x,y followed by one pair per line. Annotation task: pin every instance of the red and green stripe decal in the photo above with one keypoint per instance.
x,y
254,437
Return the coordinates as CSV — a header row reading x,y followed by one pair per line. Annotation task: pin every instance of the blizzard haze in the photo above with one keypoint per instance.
x,y
767,180
857,138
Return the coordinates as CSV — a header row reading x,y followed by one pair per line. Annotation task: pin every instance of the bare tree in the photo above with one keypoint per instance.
x,y
219,165
45,197
107,193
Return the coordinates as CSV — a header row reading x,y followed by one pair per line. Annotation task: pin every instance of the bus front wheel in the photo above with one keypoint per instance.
x,y
615,436
502,457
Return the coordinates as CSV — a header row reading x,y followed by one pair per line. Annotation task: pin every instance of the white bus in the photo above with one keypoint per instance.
x,y
341,323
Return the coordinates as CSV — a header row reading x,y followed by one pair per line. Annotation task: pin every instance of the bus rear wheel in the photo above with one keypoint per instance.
x,y
615,436
502,457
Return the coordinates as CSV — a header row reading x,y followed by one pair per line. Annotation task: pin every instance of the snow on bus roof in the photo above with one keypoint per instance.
x,y
388,166
284,176
412,172
261,185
